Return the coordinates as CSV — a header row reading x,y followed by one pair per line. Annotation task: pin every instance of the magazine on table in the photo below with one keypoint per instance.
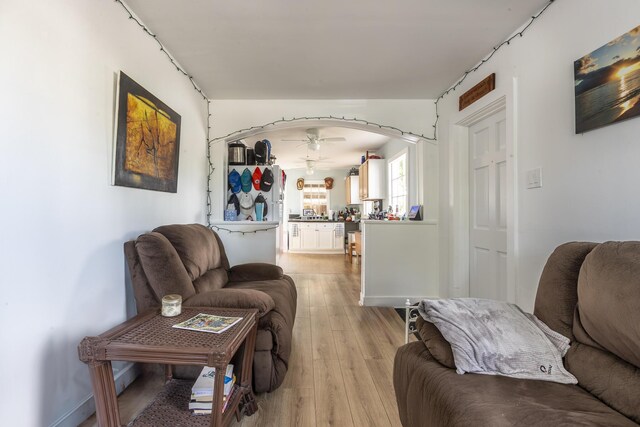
x,y
208,323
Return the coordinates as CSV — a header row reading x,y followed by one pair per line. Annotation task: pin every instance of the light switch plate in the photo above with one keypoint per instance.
x,y
534,178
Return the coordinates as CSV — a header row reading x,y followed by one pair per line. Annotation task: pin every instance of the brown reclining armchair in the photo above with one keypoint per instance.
x,y
190,260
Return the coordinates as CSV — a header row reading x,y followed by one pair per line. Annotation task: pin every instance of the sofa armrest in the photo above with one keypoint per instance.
x,y
233,298
439,348
255,271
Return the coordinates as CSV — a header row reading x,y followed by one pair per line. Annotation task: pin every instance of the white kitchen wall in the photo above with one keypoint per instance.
x,y
589,181
337,196
63,224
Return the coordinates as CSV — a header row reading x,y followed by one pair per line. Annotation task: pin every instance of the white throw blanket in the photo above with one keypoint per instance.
x,y
498,338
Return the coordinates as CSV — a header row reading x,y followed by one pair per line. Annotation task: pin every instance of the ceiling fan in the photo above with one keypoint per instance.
x,y
313,139
312,163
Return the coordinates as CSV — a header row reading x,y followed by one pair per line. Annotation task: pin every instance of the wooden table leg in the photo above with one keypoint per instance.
x,y
250,405
218,396
104,393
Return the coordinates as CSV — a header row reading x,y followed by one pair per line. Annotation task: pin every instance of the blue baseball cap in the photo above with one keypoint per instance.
x,y
234,181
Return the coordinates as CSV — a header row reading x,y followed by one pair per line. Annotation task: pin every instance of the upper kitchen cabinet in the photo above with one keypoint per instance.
x,y
352,189
373,179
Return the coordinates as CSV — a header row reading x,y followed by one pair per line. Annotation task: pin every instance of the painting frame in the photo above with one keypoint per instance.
x,y
607,83
147,139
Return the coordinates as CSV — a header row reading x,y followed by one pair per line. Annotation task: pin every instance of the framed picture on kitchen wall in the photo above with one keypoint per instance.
x,y
147,139
607,83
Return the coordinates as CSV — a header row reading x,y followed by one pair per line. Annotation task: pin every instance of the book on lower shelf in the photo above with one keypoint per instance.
x,y
201,402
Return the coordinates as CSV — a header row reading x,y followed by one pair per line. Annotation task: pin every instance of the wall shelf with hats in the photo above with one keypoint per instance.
x,y
253,193
254,185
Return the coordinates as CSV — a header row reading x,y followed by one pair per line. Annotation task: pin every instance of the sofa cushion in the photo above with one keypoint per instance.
x,y
255,271
609,378
211,280
429,394
196,245
162,266
557,293
609,298
233,298
439,348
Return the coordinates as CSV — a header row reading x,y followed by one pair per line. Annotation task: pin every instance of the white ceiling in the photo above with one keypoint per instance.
x,y
336,155
330,49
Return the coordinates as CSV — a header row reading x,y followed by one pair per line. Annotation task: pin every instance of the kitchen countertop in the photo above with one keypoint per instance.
x,y
387,222
317,220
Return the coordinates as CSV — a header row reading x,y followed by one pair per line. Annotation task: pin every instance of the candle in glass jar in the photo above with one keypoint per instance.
x,y
171,305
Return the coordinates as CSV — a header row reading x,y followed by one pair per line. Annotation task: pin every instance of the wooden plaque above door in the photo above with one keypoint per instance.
x,y
477,92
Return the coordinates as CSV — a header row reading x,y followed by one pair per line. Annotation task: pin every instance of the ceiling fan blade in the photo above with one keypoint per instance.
x,y
294,140
334,139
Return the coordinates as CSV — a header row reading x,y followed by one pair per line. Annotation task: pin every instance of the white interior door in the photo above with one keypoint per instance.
x,y
488,208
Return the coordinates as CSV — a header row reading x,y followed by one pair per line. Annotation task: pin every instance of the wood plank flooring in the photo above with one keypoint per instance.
x,y
340,370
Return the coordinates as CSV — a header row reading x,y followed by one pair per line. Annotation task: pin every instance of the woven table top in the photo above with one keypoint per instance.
x,y
159,330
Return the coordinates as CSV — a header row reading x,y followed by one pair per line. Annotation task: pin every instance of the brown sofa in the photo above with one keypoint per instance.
x,y
190,260
588,292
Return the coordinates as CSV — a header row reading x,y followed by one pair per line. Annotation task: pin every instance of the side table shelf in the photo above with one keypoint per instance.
x,y
150,338
168,408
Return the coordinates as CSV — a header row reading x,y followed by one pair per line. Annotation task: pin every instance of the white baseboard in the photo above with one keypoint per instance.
x,y
87,407
390,301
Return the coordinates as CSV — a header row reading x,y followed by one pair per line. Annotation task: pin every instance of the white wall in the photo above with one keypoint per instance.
x,y
337,196
413,115
590,180
63,224
399,261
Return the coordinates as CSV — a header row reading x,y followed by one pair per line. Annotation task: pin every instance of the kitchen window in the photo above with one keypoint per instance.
x,y
398,183
315,196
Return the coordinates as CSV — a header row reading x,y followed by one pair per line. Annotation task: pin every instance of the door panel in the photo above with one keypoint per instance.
x,y
481,199
488,208
501,194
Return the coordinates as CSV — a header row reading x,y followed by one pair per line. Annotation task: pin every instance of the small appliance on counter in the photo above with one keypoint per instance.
x,y
415,213
237,153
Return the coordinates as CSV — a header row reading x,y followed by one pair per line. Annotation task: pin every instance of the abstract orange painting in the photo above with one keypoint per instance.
x,y
147,140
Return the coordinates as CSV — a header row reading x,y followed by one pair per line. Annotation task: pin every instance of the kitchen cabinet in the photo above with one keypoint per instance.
x,y
324,238
308,238
316,237
372,180
352,189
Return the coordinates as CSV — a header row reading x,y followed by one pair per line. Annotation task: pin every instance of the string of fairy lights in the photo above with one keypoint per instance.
x,y
266,126
486,59
209,163
163,49
343,119
243,232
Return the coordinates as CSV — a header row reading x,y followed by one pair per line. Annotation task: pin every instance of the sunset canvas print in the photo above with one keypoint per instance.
x,y
607,83
147,140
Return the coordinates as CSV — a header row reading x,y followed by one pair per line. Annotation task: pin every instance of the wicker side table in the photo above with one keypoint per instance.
x,y
150,338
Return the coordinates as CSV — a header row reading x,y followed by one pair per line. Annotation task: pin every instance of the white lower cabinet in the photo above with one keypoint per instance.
x,y
308,238
316,237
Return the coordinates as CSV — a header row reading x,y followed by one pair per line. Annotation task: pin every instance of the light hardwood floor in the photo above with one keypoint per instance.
x,y
340,370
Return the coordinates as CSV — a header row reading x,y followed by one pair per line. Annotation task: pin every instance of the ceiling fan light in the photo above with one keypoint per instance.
x,y
310,171
314,146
